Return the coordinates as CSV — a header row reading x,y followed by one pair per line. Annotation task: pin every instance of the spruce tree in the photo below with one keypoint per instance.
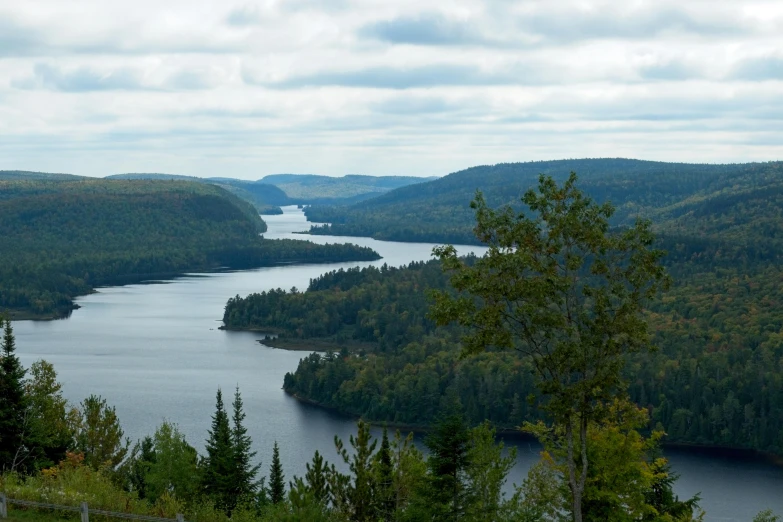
x,y
384,470
244,473
276,478
445,489
12,401
219,463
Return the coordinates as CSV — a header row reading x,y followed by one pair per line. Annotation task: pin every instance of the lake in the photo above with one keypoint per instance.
x,y
155,352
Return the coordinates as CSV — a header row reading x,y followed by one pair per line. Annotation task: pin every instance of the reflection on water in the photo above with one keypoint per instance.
x,y
155,352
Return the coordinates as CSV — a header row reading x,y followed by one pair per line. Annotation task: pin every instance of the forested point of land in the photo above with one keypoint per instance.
x,y
62,238
717,379
266,198
439,211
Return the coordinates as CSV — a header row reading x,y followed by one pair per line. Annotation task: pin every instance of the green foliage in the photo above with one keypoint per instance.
x,y
60,239
438,211
98,434
219,465
173,466
766,516
244,472
13,403
276,478
49,420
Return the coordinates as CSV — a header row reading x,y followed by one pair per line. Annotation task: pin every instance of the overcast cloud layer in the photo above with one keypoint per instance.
x,y
384,87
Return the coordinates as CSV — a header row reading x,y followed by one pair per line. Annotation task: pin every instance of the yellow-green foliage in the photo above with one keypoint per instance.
x,y
71,483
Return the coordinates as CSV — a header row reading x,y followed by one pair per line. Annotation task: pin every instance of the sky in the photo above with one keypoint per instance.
x,y
403,87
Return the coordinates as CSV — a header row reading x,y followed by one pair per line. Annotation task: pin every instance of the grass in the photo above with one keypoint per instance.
x,y
16,514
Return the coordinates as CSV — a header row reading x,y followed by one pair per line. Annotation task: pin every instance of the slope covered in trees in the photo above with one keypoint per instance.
x,y
317,189
716,379
266,198
61,239
439,211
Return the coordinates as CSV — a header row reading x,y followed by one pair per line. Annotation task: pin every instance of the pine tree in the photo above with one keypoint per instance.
x,y
276,478
317,478
12,401
219,463
244,473
361,494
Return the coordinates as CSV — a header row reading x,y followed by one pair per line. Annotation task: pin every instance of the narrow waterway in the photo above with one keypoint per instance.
x,y
155,352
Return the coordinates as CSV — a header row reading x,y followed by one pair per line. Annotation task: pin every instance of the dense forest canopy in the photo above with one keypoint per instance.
x,y
716,380
266,198
667,193
62,238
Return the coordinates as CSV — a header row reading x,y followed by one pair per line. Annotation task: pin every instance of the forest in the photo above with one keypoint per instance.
x,y
715,379
439,210
63,238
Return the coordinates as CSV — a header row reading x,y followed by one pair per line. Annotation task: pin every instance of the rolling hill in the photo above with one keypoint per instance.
x,y
316,189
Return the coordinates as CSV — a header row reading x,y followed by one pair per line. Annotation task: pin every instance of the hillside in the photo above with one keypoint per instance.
x,y
63,238
315,189
10,175
439,210
716,379
266,198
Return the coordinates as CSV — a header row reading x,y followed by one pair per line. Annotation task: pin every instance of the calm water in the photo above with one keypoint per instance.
x,y
155,352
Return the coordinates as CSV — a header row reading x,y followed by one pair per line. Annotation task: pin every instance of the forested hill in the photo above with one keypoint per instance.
x,y
9,175
316,189
266,198
668,193
62,238
716,380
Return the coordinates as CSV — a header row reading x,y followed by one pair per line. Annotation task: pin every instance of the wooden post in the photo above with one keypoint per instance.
x,y
85,512
3,506
180,517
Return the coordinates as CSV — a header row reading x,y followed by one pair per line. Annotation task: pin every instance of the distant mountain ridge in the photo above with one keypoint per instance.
x,y
440,211
318,189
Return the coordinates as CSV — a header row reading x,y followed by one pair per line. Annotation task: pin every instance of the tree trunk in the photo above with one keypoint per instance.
x,y
574,485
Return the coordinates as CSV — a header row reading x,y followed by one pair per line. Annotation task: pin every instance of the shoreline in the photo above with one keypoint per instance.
x,y
725,451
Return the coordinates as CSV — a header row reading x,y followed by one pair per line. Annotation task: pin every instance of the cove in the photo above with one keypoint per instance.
x,y
155,352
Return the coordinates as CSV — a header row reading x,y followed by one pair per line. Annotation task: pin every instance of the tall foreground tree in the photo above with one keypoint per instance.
x,y
13,401
229,476
561,288
219,462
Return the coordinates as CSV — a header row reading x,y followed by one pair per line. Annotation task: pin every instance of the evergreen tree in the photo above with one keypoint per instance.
x,y
384,470
244,473
444,494
219,463
276,478
317,478
12,402
360,495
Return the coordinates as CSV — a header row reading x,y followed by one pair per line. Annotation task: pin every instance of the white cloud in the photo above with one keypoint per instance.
x,y
384,87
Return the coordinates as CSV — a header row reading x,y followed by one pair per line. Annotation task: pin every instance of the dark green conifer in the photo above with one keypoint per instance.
x,y
219,464
445,490
244,473
385,503
276,478
12,402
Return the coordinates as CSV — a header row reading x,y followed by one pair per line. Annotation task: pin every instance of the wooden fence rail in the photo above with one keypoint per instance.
x,y
83,509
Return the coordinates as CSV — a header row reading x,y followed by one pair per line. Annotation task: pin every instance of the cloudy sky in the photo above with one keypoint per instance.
x,y
384,87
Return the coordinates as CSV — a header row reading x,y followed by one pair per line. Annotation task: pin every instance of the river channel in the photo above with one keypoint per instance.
x,y
155,352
